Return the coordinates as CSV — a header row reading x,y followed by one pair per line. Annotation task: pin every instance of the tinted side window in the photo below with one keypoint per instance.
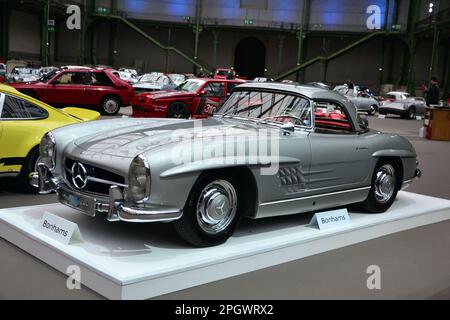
x,y
71,78
230,86
331,118
99,79
215,89
15,108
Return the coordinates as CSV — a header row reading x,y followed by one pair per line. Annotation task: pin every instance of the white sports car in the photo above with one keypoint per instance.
x,y
403,104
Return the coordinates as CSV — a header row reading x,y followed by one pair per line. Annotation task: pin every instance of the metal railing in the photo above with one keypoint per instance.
x,y
439,18
331,56
207,69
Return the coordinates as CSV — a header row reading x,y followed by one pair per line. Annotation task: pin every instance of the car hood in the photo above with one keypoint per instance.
x,y
150,137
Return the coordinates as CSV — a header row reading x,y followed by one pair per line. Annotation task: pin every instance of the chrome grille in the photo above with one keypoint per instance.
x,y
98,180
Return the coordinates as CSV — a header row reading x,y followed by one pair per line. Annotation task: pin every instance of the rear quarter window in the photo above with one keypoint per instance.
x,y
99,79
16,108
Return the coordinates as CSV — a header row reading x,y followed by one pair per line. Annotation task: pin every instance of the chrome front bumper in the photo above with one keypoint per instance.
x,y
113,205
407,184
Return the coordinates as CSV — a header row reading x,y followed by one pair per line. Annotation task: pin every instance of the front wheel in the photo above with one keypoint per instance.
x,y
211,212
410,114
373,109
29,168
384,188
111,105
178,110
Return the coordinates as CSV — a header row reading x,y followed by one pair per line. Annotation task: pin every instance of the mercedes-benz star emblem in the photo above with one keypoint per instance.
x,y
79,175
220,208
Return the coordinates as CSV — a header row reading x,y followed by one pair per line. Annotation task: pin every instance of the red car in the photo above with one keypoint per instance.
x,y
224,74
196,98
80,87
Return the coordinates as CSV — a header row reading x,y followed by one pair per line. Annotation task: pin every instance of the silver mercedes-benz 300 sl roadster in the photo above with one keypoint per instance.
x,y
271,149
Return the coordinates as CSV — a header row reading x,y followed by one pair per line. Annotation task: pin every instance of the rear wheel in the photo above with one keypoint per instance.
x,y
211,212
384,188
111,105
29,168
178,110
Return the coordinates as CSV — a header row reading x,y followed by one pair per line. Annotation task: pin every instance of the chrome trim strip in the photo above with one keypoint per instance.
x,y
9,174
406,184
2,99
136,215
313,196
112,183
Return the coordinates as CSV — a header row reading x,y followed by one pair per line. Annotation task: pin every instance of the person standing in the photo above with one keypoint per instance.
x,y
432,92
351,89
201,73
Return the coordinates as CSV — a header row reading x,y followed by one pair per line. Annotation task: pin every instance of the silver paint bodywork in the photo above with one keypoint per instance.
x,y
330,170
362,102
403,101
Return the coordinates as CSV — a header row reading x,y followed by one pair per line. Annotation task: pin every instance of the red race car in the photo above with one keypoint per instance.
x,y
196,98
80,87
224,74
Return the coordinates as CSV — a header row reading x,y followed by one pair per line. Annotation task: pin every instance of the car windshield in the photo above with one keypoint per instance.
x,y
49,75
269,106
221,72
177,78
150,77
391,97
191,85
163,80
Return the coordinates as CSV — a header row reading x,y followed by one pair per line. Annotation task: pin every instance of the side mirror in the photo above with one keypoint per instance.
x,y
287,128
365,121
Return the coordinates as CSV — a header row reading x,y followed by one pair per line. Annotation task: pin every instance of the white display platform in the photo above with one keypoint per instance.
x,y
137,261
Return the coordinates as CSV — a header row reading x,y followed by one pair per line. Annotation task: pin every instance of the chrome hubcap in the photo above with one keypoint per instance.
x,y
110,106
216,206
385,183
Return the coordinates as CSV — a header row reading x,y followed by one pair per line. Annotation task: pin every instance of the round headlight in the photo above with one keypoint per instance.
x,y
47,150
138,180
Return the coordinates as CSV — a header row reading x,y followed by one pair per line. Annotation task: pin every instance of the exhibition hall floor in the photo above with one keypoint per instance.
x,y
414,264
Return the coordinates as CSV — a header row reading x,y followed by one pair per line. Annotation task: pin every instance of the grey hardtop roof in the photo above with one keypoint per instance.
x,y
305,90
310,92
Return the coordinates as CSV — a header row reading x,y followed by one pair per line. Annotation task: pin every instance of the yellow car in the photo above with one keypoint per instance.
x,y
23,122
